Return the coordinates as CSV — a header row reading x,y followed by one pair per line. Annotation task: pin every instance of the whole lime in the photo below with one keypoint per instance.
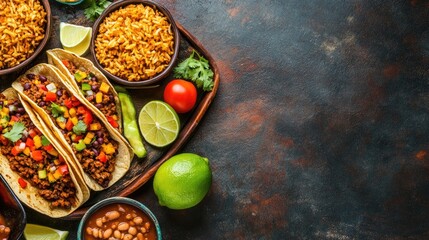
x,y
182,181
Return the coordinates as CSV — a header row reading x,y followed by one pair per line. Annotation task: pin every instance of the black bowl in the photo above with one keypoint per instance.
x,y
12,210
160,76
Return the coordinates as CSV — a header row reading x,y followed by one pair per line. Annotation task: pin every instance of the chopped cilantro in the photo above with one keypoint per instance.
x,y
16,132
196,70
56,110
45,141
96,9
79,128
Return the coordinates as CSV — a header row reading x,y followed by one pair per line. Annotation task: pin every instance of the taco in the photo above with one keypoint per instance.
x,y
90,83
98,152
34,164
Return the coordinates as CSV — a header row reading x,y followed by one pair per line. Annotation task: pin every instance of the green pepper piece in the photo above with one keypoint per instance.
x,y
86,87
42,174
79,146
131,130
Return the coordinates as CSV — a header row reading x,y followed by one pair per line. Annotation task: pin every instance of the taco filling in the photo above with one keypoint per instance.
x,y
33,157
96,92
90,141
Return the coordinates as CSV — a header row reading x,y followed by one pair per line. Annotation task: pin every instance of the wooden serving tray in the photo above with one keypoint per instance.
x,y
141,170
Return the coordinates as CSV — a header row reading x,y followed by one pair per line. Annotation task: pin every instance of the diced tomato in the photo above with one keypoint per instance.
x,y
22,182
48,147
81,110
15,150
77,138
14,118
102,157
50,96
112,122
32,133
68,103
3,140
37,155
32,148
42,86
63,169
29,142
69,124
66,63
87,118
61,159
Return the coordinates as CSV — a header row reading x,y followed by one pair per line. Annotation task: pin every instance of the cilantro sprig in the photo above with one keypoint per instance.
x,y
16,132
196,70
96,9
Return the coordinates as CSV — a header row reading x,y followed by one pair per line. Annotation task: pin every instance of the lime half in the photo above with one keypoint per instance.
x,y
38,232
159,123
75,38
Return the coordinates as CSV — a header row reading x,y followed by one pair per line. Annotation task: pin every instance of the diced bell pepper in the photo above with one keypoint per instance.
x,y
22,182
80,145
37,155
104,87
88,138
42,174
102,157
99,97
108,148
79,75
86,87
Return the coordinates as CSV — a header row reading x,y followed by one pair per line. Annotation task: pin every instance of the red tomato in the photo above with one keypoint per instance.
x,y
181,95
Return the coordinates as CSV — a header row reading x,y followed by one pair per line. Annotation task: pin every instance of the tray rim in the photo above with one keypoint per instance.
x,y
184,134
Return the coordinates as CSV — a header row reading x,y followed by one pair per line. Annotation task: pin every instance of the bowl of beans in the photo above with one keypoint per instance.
x,y
119,218
12,214
26,33
135,43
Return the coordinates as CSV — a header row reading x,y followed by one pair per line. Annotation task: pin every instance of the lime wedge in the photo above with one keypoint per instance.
x,y
73,35
82,47
38,232
159,123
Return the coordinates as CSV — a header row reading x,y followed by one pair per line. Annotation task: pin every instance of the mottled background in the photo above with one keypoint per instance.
x,y
320,126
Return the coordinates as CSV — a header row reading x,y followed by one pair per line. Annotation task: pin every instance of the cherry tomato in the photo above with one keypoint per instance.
x,y
181,95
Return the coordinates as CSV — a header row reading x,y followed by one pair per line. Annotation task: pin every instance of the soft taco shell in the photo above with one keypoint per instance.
x,y
55,57
29,196
125,153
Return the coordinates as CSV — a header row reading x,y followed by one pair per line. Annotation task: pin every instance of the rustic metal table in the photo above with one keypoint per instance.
x,y
320,128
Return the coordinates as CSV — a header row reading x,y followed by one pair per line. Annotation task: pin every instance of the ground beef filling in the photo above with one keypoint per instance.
x,y
108,108
100,171
61,193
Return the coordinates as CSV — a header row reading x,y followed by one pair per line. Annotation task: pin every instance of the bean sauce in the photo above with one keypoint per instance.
x,y
4,229
119,221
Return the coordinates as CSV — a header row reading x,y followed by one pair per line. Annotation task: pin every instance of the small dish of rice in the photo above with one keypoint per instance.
x,y
135,42
24,31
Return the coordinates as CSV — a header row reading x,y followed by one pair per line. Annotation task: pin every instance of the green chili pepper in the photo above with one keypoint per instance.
x,y
131,130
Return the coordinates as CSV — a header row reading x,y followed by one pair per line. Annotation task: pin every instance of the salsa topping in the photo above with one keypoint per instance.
x,y
91,143
33,157
98,94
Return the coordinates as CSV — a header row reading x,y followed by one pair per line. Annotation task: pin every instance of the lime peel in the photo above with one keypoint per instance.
x,y
38,232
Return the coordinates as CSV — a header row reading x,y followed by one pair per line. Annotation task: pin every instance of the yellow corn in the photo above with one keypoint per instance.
x,y
60,123
65,112
95,126
74,120
108,148
88,138
5,111
72,112
27,151
104,87
57,174
37,141
99,97
51,177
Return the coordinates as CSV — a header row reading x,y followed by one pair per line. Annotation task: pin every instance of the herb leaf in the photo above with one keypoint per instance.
x,y
96,9
16,132
196,70
79,128
56,110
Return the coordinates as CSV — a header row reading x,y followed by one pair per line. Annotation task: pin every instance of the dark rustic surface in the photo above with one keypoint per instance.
x,y
320,126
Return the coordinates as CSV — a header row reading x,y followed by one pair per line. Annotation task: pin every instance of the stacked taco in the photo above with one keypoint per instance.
x,y
96,150
34,163
90,84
